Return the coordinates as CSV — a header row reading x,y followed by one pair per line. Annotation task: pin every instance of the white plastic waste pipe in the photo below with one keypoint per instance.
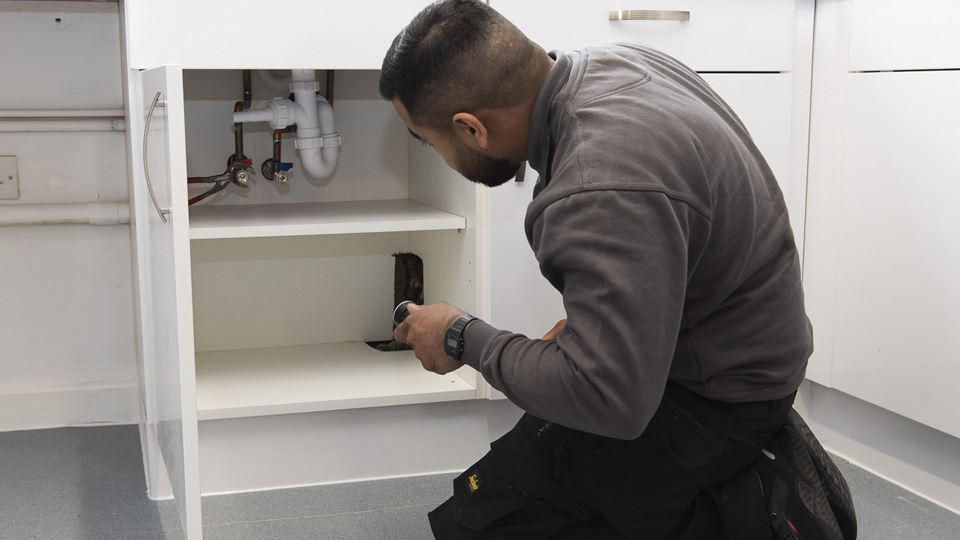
x,y
93,213
317,143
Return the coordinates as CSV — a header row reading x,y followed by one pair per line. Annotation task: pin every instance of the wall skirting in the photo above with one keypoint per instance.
x,y
916,457
107,402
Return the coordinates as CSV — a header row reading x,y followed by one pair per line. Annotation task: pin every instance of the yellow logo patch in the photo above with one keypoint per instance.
x,y
474,483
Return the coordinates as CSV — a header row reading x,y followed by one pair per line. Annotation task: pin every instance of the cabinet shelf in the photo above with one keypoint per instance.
x,y
299,219
308,378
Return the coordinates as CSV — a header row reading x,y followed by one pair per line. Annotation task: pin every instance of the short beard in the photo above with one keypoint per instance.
x,y
489,171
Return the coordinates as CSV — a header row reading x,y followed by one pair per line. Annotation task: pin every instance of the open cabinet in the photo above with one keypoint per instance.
x,y
257,308
255,305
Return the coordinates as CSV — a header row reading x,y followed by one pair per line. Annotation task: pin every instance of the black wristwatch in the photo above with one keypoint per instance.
x,y
453,339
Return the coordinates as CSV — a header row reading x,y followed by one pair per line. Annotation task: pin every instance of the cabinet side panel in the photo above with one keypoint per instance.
x,y
451,259
523,301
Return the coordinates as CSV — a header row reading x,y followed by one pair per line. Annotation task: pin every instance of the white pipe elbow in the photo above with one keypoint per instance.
x,y
320,152
318,143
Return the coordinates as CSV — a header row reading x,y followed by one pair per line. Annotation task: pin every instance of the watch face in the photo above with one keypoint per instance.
x,y
451,343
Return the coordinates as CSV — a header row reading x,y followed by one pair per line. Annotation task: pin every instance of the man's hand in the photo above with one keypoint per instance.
x,y
555,331
424,330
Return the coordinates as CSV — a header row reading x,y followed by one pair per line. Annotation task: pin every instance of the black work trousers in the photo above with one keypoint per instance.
x,y
685,477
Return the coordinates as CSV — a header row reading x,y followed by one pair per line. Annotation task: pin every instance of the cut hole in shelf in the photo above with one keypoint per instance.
x,y
407,285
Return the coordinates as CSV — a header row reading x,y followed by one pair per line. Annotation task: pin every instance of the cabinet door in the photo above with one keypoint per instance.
x,y
764,102
523,300
733,35
255,34
897,305
893,35
163,252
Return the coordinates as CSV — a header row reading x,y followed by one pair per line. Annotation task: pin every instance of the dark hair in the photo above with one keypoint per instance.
x,y
457,56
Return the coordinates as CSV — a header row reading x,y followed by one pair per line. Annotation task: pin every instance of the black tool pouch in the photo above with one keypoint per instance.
x,y
513,481
482,498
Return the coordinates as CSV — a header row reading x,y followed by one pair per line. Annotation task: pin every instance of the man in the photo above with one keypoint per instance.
x,y
664,229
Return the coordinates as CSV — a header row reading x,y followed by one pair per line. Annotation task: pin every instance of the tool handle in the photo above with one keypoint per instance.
x,y
401,312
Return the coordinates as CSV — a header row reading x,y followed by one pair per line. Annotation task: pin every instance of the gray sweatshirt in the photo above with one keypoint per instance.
x,y
665,231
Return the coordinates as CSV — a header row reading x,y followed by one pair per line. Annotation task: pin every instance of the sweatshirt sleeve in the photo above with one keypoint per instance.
x,y
620,259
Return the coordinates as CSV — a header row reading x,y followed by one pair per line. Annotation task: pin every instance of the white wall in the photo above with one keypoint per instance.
x,y
66,310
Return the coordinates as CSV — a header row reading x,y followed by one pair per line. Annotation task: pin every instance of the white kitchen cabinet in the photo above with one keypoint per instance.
x,y
887,35
525,302
254,307
273,301
754,53
897,297
732,35
882,231
283,295
252,34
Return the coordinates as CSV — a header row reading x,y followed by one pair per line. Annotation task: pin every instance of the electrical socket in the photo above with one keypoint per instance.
x,y
9,178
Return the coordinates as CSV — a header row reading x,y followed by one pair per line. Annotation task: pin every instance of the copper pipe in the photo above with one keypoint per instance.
x,y
247,92
277,138
238,135
238,126
330,81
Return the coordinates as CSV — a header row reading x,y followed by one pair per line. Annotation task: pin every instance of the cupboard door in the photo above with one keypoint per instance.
x,y
764,103
254,34
897,304
523,300
163,264
893,35
737,35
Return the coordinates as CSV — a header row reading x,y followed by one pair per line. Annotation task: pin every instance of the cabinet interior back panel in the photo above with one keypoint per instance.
x,y
373,155
272,292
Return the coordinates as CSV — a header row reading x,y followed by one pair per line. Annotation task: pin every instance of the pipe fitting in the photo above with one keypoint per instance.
x,y
317,139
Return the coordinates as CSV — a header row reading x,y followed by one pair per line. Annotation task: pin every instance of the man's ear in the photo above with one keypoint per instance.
x,y
471,130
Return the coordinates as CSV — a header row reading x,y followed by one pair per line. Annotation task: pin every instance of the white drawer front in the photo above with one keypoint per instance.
x,y
890,35
738,35
253,34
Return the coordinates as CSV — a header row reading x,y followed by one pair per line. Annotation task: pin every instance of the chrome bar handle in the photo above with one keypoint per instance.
x,y
146,170
649,15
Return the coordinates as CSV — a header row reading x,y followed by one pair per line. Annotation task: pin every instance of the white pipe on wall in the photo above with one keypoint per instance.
x,y
61,113
92,213
67,124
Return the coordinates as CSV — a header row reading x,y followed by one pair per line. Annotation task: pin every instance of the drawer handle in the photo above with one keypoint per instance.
x,y
146,170
649,15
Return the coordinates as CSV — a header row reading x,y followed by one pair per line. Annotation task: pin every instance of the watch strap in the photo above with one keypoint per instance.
x,y
453,339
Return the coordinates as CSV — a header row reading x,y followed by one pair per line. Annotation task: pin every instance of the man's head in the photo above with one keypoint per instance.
x,y
462,77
